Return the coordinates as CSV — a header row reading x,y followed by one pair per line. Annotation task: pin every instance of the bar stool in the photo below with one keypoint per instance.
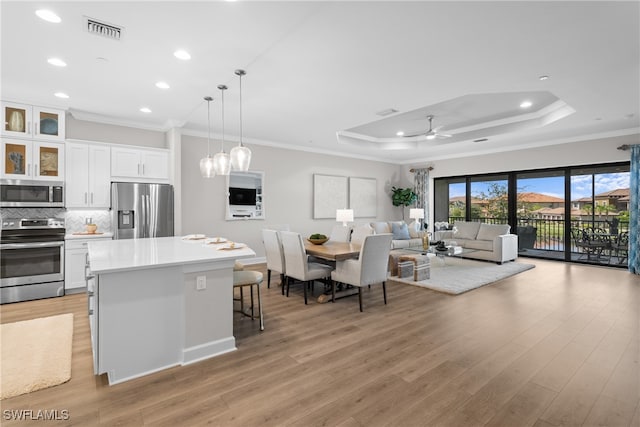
x,y
243,278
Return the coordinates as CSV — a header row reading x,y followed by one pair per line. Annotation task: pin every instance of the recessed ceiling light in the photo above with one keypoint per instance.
x,y
57,62
526,104
48,16
61,95
182,54
145,109
543,78
162,85
400,133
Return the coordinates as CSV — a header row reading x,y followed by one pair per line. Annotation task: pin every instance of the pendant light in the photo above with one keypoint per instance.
x,y
206,163
221,161
240,155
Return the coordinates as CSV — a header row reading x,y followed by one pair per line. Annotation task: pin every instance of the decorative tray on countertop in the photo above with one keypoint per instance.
x,y
232,247
194,237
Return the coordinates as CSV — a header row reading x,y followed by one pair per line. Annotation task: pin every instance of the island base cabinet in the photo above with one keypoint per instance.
x,y
152,319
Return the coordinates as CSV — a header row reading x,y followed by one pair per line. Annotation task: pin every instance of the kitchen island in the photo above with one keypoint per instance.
x,y
160,302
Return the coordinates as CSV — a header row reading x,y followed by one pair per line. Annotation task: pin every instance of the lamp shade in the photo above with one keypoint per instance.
x,y
344,216
416,213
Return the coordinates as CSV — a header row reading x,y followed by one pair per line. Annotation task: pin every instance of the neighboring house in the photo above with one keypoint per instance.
x,y
618,199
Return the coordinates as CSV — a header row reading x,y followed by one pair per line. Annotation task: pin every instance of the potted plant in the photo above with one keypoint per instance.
x,y
403,197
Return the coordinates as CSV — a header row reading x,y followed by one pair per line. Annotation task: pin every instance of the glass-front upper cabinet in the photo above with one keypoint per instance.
x,y
27,121
32,160
16,120
49,124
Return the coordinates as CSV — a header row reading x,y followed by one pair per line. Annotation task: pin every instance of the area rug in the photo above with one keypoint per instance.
x,y
456,275
35,354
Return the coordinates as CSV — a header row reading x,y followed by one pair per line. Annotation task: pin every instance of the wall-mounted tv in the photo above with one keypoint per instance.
x,y
242,196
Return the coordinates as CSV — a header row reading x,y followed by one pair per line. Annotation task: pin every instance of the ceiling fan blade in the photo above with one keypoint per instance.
x,y
415,134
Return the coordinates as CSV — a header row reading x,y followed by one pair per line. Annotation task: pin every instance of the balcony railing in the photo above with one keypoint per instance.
x,y
549,233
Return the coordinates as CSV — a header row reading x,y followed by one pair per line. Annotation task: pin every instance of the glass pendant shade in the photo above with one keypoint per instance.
x,y
240,155
221,163
206,163
206,167
240,158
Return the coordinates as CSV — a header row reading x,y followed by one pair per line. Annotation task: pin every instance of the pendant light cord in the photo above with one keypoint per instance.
x,y
222,144
240,109
208,99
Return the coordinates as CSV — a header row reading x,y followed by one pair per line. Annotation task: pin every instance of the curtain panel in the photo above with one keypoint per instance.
x,y
421,188
634,211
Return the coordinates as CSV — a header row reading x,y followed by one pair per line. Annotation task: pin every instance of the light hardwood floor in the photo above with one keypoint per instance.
x,y
555,345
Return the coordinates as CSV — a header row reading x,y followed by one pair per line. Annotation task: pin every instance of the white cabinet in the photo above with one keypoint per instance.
x,y
32,160
29,121
75,259
140,163
88,175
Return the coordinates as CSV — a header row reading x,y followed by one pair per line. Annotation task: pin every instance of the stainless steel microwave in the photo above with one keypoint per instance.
x,y
31,194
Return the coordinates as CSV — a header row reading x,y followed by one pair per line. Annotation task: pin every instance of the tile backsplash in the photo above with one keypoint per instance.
x,y
74,219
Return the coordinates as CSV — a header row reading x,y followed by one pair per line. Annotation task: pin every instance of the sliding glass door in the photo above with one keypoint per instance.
x,y
540,211
576,214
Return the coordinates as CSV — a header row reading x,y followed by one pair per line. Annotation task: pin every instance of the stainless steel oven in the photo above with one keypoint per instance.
x,y
31,259
29,194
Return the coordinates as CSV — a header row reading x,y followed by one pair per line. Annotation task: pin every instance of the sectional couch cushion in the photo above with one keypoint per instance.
x,y
491,231
400,231
466,230
381,227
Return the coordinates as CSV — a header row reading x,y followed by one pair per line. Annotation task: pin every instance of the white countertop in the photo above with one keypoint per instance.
x,y
109,256
72,236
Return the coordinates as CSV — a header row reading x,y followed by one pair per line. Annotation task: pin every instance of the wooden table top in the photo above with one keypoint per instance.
x,y
333,251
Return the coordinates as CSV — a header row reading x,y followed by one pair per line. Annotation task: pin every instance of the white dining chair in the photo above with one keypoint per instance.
x,y
275,256
360,232
370,268
340,233
298,265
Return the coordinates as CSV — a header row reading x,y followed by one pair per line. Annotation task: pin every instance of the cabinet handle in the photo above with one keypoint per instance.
x,y
35,128
26,130
35,170
92,197
29,169
138,168
143,169
85,198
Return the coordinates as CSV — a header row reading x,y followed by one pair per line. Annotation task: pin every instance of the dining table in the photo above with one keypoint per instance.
x,y
334,251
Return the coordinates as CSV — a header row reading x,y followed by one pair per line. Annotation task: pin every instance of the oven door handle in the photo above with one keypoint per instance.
x,y
30,245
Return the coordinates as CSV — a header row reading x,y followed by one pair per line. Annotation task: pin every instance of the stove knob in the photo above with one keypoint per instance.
x,y
4,224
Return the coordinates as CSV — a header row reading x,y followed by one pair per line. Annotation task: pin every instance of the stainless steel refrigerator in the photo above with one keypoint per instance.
x,y
141,210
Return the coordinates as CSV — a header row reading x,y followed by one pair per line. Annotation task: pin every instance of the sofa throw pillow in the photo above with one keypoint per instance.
x,y
414,230
491,231
466,229
381,227
400,231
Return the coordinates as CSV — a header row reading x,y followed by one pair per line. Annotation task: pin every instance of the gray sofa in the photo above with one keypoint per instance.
x,y
490,242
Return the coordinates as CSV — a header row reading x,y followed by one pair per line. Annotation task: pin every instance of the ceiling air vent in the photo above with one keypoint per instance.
x,y
94,26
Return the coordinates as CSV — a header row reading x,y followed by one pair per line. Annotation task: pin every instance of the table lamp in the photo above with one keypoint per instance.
x,y
344,216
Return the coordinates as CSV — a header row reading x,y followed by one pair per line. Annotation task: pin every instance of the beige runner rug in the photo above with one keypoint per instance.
x,y
35,354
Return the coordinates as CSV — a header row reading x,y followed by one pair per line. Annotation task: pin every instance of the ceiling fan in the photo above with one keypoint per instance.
x,y
432,133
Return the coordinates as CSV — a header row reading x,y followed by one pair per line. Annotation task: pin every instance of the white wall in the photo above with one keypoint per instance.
x,y
287,193
92,131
